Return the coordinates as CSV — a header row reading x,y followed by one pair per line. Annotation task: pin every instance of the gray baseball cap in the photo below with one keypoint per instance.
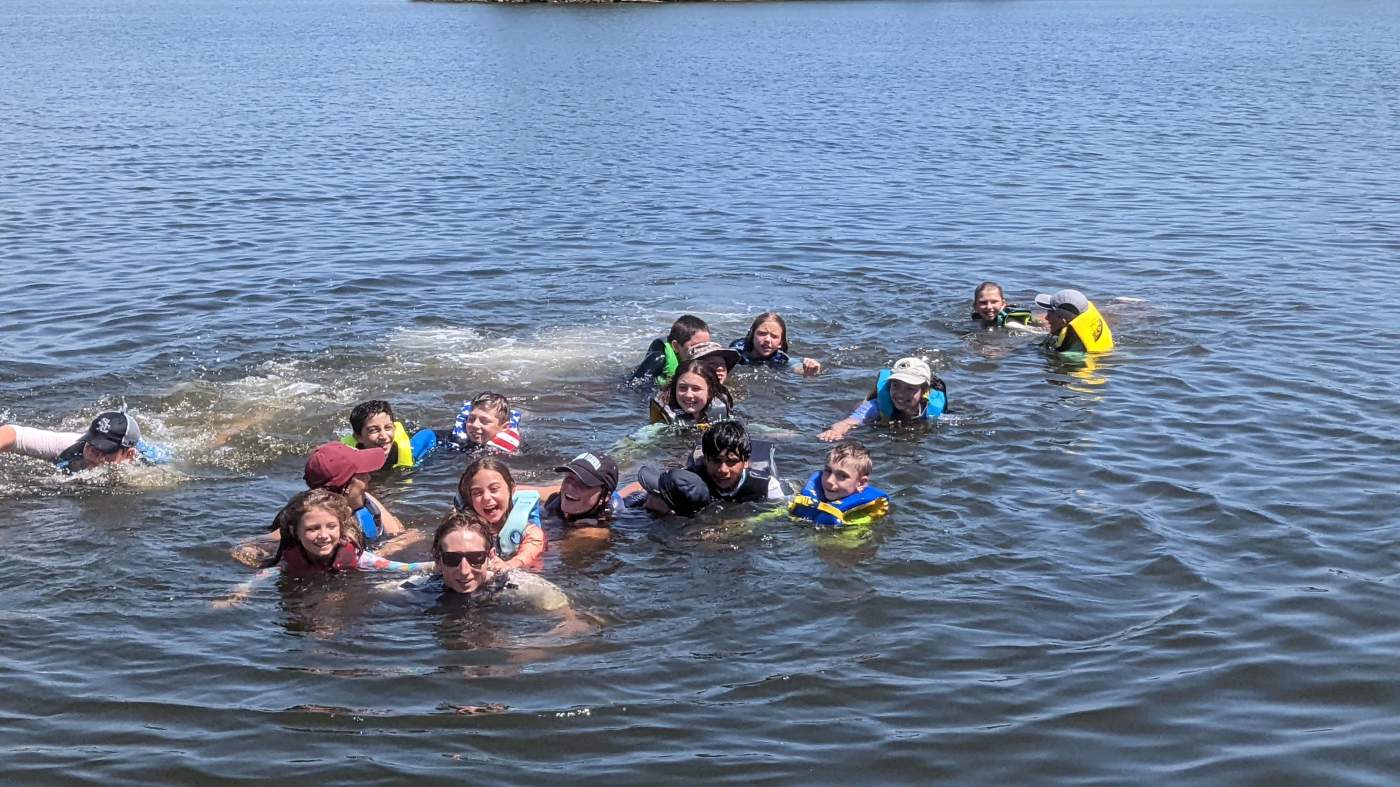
x,y
1069,301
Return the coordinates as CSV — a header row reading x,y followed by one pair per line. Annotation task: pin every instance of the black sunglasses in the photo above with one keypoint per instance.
x,y
475,559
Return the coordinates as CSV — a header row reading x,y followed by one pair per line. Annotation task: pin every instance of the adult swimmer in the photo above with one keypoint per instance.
x,y
462,552
587,496
1075,323
112,438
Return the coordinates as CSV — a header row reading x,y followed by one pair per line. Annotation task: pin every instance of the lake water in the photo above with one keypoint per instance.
x,y
1177,564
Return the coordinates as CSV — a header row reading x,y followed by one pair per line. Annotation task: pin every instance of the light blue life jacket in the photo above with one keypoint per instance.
x,y
935,401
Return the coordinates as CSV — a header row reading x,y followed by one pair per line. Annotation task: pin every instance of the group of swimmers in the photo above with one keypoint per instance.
x,y
492,541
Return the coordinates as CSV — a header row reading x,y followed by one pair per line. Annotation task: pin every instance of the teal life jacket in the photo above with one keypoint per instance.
x,y
522,506
935,401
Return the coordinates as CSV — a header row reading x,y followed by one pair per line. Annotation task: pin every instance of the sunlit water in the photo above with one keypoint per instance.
x,y
240,219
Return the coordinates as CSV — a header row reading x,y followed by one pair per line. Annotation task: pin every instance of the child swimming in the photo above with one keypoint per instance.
x,y
840,493
716,357
767,345
488,489
908,391
486,422
990,309
665,355
726,464
372,425
695,397
318,534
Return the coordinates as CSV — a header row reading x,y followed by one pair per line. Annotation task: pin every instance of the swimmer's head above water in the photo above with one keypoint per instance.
x,y
461,547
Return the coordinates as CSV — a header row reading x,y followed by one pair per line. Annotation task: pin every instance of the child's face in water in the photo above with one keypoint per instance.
x,y
692,393
465,548
767,339
840,479
489,496
905,396
726,470
988,303
483,424
319,533
378,432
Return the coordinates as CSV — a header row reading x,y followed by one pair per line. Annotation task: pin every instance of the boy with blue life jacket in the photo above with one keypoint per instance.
x,y
840,493
664,356
373,425
1075,323
486,422
907,391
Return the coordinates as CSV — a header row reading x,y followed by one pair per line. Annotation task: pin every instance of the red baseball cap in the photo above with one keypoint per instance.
x,y
334,465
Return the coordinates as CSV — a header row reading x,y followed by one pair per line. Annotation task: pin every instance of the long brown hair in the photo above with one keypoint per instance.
x,y
716,388
761,319
464,484
291,515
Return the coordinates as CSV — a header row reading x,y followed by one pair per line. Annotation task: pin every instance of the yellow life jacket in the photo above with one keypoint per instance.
x,y
1090,328
404,453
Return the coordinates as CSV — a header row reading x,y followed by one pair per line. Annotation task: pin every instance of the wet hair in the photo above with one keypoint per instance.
x,y
289,518
464,484
715,388
686,326
492,402
466,521
724,438
365,410
851,451
977,293
761,319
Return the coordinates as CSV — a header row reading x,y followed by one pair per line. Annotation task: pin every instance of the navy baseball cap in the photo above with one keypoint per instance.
x,y
111,432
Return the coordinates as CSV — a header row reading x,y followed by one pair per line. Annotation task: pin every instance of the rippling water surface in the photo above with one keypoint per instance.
x,y
1175,564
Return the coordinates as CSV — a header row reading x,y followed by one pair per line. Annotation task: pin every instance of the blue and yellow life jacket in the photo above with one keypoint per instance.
x,y
1087,332
861,508
403,453
935,400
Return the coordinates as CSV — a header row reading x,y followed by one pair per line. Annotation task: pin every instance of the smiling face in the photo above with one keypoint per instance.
x,y
319,533
683,351
489,496
577,498
355,490
905,397
842,479
483,424
378,432
988,303
692,393
462,548
726,470
767,339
